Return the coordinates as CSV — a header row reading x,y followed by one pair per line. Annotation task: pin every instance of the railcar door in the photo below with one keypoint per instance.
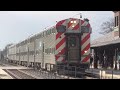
x,y
73,48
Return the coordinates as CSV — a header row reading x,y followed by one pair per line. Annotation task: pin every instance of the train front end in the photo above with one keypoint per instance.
x,y
73,42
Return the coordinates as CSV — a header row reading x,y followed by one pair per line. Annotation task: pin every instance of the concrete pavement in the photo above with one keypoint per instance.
x,y
4,75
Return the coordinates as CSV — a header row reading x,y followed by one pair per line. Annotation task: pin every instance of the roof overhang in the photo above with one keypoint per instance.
x,y
100,44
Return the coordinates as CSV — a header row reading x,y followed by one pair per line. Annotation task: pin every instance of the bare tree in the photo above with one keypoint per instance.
x,y
107,26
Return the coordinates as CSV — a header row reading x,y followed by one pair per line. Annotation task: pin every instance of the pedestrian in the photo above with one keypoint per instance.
x,y
91,61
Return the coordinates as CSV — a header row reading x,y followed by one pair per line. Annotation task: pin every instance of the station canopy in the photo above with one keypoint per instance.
x,y
107,39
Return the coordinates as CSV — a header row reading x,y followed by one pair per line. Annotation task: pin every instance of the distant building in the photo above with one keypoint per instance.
x,y
112,36
117,23
108,46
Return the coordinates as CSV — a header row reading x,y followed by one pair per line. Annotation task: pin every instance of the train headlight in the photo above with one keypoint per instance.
x,y
71,21
73,26
74,21
85,51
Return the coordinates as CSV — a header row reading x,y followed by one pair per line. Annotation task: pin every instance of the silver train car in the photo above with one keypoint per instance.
x,y
50,47
38,50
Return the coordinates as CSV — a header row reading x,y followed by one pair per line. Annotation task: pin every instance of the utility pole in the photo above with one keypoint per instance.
x,y
34,53
43,54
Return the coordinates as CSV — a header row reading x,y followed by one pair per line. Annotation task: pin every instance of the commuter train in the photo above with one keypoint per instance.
x,y
66,43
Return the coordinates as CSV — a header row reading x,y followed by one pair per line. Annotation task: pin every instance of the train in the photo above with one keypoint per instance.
x,y
66,43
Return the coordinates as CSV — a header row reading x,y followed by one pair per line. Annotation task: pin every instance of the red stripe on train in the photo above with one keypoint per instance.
x,y
60,23
88,25
86,58
60,43
85,49
69,24
85,39
58,35
56,57
60,53
76,27
82,22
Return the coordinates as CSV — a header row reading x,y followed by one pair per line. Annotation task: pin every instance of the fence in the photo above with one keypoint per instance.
x,y
105,73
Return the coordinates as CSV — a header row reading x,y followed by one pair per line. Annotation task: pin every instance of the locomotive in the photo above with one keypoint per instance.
x,y
66,43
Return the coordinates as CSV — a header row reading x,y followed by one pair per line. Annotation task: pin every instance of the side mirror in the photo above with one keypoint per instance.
x,y
61,28
85,29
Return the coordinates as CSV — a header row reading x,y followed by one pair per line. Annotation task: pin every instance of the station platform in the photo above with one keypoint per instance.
x,y
105,73
4,75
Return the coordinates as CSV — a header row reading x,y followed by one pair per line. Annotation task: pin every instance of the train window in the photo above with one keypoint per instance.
x,y
61,28
50,31
84,29
46,33
72,41
48,50
52,50
54,31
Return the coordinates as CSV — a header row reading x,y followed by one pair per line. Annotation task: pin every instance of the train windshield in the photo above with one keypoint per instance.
x,y
72,42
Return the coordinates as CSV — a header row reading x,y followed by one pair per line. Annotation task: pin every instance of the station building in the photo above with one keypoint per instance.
x,y
106,49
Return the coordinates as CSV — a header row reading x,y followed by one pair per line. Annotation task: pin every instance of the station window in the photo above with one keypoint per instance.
x,y
116,21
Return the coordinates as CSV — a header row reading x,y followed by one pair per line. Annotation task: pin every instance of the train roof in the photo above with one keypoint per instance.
x,y
33,36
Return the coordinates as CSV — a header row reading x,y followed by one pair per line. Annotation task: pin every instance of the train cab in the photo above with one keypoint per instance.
x,y
73,41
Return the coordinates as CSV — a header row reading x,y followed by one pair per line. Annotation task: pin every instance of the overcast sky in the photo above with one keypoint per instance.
x,y
18,25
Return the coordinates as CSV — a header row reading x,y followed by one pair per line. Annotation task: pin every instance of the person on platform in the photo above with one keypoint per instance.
x,y
91,61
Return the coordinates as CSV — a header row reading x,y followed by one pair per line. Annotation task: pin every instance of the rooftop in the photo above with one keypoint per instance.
x,y
105,40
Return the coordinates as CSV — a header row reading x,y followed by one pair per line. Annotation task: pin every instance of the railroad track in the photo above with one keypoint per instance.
x,y
91,76
16,74
80,75
42,74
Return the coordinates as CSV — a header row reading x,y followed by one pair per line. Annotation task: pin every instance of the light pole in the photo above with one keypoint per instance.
x,y
28,54
34,53
19,55
43,54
